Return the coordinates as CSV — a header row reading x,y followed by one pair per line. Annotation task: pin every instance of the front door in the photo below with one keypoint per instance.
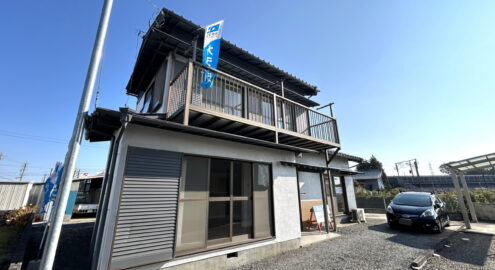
x,y
310,195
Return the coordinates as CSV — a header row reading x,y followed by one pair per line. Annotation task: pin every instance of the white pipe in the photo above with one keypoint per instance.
x,y
75,143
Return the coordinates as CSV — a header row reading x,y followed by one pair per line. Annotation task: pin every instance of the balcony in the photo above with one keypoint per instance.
x,y
238,107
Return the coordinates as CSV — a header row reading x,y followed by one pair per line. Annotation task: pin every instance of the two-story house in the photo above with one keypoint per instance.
x,y
208,178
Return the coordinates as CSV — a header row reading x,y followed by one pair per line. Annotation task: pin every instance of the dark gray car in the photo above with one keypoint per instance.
x,y
418,209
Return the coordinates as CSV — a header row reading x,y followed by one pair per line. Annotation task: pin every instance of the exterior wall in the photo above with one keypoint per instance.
x,y
309,186
285,193
372,184
339,162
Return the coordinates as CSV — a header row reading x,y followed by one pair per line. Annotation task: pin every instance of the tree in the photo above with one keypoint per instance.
x,y
370,164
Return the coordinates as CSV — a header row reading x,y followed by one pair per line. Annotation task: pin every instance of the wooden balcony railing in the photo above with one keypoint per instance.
x,y
232,96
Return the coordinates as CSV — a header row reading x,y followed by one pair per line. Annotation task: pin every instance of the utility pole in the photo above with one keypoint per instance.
x,y
416,165
75,142
23,170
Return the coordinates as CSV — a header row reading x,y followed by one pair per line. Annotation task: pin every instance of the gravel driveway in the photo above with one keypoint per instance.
x,y
362,246
465,251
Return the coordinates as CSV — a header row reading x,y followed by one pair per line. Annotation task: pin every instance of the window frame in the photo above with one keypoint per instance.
x,y
211,245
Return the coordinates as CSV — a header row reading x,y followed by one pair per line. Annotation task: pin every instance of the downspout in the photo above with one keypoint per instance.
x,y
98,235
102,197
330,180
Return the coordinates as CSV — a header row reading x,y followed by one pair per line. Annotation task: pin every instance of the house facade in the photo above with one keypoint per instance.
x,y
371,179
209,177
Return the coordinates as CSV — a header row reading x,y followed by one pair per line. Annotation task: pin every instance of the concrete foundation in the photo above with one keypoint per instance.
x,y
231,259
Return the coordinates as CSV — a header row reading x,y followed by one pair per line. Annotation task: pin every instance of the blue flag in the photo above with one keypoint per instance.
x,y
211,50
51,185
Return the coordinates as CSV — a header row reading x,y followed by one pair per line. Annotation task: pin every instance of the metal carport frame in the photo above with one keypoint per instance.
x,y
459,168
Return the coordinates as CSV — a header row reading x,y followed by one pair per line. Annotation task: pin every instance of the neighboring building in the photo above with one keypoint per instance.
x,y
88,194
371,179
196,176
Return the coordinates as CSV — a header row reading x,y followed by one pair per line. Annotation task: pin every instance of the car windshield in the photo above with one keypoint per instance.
x,y
413,199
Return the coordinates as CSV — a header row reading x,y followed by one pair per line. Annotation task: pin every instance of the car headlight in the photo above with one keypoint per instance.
x,y
390,210
428,213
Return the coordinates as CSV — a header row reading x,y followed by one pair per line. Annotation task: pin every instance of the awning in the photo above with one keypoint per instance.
x,y
304,167
307,167
469,164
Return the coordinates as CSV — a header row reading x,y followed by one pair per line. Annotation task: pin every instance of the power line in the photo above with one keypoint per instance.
x,y
24,136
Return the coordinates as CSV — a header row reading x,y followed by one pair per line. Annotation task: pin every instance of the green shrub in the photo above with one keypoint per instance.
x,y
486,196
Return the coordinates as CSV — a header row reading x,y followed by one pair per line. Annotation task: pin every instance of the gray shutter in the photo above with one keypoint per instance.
x,y
145,230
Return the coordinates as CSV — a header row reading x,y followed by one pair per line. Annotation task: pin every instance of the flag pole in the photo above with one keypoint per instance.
x,y
75,142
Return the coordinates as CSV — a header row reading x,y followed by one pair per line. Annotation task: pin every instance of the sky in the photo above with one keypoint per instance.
x,y
409,79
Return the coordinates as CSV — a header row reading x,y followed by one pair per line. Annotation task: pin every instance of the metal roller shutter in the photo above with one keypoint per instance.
x,y
145,230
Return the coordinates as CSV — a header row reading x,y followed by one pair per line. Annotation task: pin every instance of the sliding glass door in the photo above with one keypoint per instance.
x,y
223,201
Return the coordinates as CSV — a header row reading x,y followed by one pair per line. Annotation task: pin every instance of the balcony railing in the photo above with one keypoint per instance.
x,y
234,97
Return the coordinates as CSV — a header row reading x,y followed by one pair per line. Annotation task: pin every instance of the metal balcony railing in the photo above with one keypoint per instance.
x,y
232,96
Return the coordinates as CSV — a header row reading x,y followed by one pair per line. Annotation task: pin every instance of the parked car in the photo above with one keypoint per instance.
x,y
418,209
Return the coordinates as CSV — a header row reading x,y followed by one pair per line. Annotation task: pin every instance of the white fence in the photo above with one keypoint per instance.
x,y
14,195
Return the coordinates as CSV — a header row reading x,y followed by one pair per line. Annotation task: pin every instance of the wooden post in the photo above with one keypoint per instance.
x,y
460,199
190,70
468,198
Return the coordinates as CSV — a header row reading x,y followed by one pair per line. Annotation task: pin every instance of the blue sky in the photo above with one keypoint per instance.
x,y
410,79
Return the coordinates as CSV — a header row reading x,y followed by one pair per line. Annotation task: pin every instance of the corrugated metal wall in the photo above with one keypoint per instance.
x,y
36,195
12,195
145,229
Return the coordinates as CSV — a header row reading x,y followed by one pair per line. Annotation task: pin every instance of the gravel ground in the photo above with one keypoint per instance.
x,y
476,253
363,246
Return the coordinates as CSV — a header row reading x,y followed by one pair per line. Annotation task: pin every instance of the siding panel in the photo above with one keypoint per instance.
x,y
145,229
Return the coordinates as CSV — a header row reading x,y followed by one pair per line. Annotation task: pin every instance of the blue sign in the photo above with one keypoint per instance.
x,y
211,50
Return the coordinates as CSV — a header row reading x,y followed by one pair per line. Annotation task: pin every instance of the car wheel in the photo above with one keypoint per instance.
x,y
391,224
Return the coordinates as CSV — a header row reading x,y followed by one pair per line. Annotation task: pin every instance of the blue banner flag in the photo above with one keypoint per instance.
x,y
50,187
211,50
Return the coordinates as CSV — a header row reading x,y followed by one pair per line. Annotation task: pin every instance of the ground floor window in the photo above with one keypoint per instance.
x,y
222,201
